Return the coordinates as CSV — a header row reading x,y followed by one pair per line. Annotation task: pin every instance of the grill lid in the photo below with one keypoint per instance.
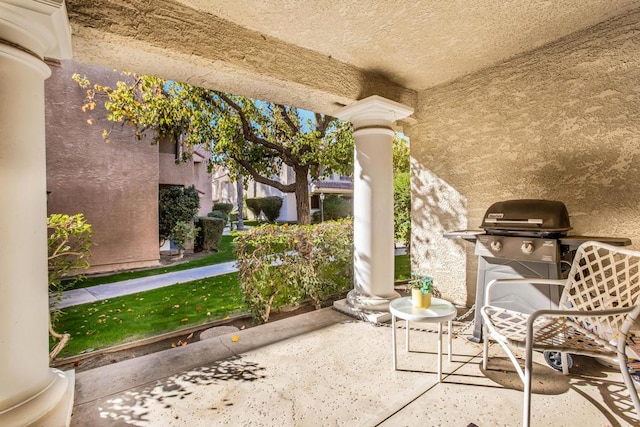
x,y
527,216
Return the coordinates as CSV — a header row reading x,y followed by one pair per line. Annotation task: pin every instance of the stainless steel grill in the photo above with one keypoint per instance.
x,y
524,238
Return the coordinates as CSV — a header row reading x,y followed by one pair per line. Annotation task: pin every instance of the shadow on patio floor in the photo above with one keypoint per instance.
x,y
325,368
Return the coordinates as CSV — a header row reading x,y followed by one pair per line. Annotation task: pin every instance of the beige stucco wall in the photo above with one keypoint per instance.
x,y
187,174
561,123
115,184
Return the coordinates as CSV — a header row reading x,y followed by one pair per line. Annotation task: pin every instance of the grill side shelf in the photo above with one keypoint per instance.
x,y
468,235
574,241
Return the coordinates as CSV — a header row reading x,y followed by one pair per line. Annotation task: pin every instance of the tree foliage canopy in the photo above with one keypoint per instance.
x,y
253,138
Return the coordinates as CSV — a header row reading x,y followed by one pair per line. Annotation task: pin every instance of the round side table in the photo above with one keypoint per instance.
x,y
440,311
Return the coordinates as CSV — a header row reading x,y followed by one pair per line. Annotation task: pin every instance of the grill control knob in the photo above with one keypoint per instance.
x,y
496,245
527,248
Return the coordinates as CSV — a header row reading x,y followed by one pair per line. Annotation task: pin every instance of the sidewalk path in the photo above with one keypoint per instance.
x,y
126,287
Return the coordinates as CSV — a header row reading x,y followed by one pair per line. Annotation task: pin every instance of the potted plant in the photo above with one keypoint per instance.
x,y
421,290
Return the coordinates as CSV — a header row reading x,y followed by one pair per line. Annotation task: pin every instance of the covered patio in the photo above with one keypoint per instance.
x,y
325,368
501,100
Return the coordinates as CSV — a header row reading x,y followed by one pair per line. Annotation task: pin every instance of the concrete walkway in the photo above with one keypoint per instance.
x,y
127,287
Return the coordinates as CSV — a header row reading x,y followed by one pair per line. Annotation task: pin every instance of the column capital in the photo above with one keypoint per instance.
x,y
374,111
39,27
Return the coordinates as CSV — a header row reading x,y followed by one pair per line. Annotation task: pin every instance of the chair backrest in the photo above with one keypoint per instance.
x,y
602,277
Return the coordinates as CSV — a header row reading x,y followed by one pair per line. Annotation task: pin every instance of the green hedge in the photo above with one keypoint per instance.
x,y
224,207
402,208
335,207
270,206
176,204
284,265
210,234
254,207
219,214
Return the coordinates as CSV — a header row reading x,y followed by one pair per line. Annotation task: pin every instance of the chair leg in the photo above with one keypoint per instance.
x,y
528,371
564,359
633,393
485,347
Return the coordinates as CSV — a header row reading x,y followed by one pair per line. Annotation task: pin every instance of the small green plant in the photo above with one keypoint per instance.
x,y
424,283
69,246
183,232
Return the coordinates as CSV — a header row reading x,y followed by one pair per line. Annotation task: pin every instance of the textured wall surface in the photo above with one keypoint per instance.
x,y
179,41
562,122
115,185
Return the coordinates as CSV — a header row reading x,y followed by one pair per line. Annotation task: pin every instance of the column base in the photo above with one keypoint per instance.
x,y
51,407
373,309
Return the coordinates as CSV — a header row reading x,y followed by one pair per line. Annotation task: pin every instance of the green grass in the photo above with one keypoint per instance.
x,y
124,319
402,268
225,254
129,318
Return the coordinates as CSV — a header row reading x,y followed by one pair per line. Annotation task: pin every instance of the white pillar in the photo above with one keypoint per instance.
x,y
373,118
30,392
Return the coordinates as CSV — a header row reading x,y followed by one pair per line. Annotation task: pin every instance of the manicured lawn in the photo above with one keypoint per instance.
x,y
225,254
132,317
129,318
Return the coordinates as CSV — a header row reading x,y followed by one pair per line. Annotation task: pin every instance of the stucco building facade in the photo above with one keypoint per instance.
x,y
114,184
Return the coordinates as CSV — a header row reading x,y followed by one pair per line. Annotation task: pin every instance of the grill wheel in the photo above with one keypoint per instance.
x,y
554,360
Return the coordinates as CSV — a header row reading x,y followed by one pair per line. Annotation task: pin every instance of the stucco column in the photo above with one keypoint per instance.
x,y
373,256
30,392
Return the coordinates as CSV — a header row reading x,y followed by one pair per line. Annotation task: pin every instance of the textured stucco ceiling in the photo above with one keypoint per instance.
x,y
333,51
417,43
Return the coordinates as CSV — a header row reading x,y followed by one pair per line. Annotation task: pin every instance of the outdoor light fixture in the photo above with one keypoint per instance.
x,y
321,207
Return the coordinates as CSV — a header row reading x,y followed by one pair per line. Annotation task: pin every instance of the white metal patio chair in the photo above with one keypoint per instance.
x,y
598,306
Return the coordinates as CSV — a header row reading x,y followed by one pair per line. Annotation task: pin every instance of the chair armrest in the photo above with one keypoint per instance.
x,y
523,281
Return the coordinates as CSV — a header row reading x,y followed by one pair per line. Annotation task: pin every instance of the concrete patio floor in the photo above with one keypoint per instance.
x,y
327,369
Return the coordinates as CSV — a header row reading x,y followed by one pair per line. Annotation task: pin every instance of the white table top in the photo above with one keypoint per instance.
x,y
440,310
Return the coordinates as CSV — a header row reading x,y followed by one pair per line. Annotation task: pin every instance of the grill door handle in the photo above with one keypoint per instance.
x,y
537,221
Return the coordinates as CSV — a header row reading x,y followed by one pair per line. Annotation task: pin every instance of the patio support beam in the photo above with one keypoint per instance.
x,y
30,392
373,256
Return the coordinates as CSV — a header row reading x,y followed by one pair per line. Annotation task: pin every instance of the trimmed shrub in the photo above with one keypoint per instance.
x,y
270,206
219,214
224,207
210,233
336,207
176,204
284,265
254,207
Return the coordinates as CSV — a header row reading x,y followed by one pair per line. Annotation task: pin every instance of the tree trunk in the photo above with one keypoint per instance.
x,y
240,200
303,209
